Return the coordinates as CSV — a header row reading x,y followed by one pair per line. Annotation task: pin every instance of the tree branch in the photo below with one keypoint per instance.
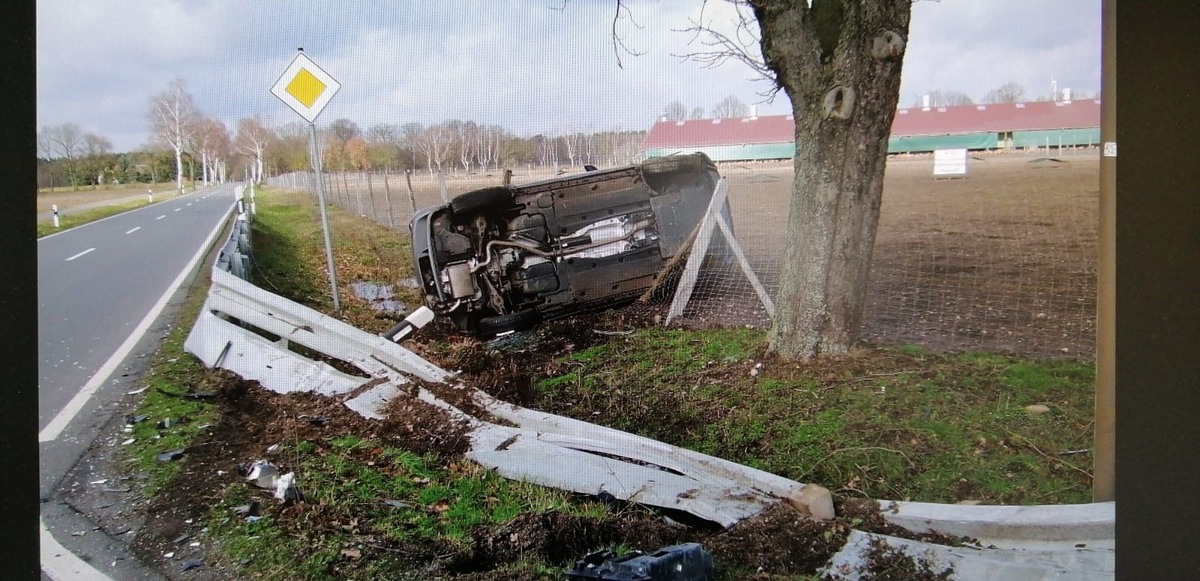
x,y
743,45
617,42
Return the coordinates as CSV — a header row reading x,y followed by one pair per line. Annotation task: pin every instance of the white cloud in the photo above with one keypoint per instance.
x,y
527,65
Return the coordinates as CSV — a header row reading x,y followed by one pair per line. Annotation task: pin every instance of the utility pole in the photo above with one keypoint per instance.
x,y
1104,456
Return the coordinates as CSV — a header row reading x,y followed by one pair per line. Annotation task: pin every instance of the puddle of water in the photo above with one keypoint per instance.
x,y
380,296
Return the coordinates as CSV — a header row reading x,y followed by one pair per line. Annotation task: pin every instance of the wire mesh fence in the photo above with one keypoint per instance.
x,y
1002,259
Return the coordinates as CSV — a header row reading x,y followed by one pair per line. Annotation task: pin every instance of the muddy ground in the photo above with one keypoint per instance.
x,y
1002,259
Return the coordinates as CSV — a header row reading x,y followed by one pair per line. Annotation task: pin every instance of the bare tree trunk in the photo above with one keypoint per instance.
x,y
840,64
179,169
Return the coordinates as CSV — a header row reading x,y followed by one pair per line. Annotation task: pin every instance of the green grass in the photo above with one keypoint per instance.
x,y
174,371
903,423
65,222
389,497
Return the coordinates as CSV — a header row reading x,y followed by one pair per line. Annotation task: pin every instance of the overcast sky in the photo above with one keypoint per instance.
x,y
532,66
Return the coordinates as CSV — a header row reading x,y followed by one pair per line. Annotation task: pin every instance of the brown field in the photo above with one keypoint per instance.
x,y
86,198
1003,260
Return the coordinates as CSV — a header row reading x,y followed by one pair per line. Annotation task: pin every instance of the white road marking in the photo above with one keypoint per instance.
x,y
134,230
178,209
80,254
60,564
65,415
161,217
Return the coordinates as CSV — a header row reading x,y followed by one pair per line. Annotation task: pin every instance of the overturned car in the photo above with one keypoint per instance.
x,y
505,258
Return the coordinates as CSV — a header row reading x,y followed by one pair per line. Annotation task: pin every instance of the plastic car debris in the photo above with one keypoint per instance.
x,y
263,474
686,562
285,488
171,455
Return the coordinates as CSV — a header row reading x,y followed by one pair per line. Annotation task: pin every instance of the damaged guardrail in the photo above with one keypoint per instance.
x,y
1023,542
541,448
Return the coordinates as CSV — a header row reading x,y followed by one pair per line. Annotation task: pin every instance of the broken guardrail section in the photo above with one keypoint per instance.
x,y
560,452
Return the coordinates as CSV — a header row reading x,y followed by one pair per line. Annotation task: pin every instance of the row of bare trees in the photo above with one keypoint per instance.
x,y
1010,92
448,147
728,108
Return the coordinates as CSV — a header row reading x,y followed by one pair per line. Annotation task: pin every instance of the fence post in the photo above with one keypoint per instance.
x,y
371,196
387,199
442,187
412,197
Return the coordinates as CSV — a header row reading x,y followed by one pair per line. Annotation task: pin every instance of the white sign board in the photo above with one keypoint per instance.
x,y
949,162
305,87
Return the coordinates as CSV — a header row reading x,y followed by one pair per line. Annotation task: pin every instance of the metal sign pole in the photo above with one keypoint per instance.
x,y
316,163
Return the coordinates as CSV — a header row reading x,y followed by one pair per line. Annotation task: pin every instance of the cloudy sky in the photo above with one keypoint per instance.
x,y
532,66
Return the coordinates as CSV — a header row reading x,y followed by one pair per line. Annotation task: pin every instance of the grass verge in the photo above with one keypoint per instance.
x,y
68,221
902,423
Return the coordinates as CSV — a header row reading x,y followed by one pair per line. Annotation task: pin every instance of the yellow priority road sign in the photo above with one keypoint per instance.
x,y
305,87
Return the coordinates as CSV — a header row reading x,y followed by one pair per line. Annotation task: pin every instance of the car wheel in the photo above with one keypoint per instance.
x,y
494,198
517,321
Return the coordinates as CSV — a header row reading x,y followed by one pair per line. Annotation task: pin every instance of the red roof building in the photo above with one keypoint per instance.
x,y
916,129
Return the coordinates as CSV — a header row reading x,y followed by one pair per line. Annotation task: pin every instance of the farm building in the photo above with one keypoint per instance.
x,y
1042,124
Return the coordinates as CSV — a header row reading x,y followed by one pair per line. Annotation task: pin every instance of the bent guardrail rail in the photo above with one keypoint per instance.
x,y
1022,542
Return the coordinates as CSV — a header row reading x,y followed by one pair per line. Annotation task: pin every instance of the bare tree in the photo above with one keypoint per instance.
x,y
173,117
387,141
1009,92
340,132
62,142
839,62
486,145
252,140
411,135
94,148
212,141
697,113
466,134
571,140
742,45
435,143
944,99
675,111
730,107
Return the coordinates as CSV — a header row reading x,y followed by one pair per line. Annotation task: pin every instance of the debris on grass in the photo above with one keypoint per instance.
x,y
171,456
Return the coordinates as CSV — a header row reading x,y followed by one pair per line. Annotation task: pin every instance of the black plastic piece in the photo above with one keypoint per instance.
x,y
686,562
517,321
496,198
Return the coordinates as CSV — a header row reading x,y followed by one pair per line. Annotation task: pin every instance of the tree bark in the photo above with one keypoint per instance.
x,y
839,62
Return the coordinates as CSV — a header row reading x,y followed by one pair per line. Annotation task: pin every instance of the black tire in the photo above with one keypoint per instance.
x,y
672,163
517,321
493,198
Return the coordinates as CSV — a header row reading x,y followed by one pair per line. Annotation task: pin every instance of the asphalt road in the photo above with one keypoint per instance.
x,y
97,284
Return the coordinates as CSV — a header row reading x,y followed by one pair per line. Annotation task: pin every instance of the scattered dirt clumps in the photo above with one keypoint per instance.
x,y
887,564
779,541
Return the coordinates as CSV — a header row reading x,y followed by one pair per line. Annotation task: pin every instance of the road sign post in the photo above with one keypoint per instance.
x,y
306,88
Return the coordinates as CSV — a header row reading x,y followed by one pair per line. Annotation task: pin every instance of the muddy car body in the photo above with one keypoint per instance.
x,y
507,257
